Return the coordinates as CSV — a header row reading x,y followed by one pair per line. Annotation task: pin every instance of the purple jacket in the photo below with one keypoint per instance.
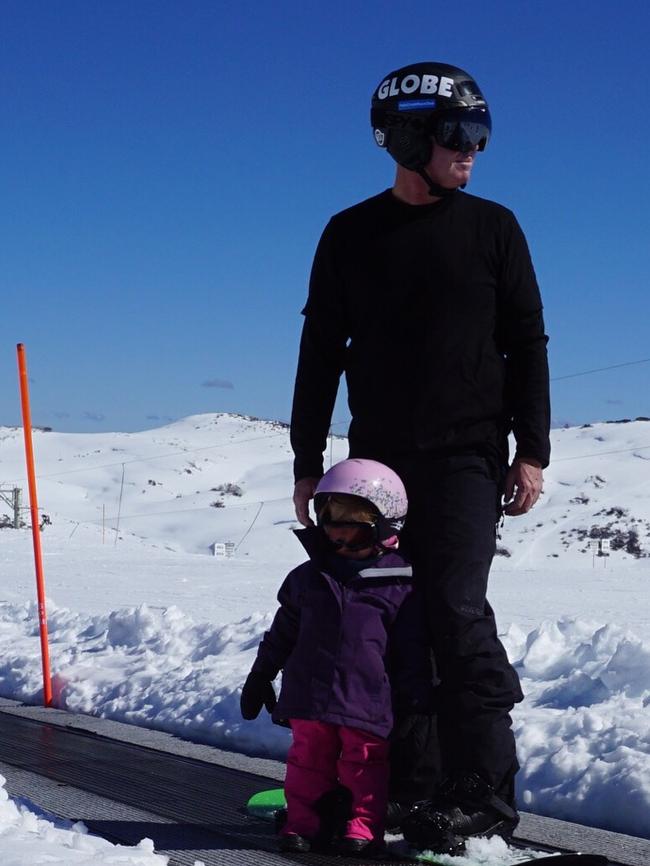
x,y
341,629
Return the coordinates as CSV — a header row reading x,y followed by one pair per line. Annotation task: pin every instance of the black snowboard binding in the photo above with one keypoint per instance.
x,y
465,806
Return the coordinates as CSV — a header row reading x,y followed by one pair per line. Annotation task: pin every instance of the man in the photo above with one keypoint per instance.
x,y
426,298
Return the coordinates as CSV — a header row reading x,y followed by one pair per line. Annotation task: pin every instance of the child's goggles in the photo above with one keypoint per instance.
x,y
462,129
366,536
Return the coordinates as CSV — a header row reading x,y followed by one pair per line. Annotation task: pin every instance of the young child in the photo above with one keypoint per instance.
x,y
347,619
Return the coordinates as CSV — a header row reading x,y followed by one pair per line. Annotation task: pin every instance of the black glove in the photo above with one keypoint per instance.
x,y
257,693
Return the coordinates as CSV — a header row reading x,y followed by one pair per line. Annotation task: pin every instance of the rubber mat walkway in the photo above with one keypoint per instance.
x,y
57,768
127,783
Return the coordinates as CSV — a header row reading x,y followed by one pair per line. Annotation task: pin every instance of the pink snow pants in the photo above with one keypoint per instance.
x,y
322,756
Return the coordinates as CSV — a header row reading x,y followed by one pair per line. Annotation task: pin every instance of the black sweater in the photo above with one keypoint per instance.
x,y
434,314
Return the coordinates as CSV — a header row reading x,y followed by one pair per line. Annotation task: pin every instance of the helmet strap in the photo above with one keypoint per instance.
x,y
411,148
434,188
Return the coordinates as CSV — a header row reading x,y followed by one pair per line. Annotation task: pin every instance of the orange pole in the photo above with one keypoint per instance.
x,y
36,532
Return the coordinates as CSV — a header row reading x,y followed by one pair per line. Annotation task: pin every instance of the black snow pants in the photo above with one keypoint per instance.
x,y
450,536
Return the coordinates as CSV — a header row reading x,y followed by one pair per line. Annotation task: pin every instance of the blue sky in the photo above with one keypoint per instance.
x,y
166,169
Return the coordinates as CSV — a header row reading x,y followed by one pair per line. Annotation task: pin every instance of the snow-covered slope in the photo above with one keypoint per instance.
x,y
597,487
163,482
182,486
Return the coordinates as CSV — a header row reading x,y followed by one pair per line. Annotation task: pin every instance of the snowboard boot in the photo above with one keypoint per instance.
x,y
292,842
465,806
395,814
371,848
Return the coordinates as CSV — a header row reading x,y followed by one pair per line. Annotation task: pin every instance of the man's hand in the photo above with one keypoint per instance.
x,y
524,482
302,493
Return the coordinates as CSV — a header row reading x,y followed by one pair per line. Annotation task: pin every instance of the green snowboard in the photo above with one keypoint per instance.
x,y
267,804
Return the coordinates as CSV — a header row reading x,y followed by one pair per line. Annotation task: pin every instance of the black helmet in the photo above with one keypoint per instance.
x,y
428,100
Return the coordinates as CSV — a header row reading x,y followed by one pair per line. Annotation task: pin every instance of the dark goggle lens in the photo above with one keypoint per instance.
x,y
463,131
366,535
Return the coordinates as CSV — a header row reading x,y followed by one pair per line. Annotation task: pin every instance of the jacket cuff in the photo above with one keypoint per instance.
x,y
306,468
261,669
523,453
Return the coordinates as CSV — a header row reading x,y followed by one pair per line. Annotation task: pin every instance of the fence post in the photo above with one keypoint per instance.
x,y
36,532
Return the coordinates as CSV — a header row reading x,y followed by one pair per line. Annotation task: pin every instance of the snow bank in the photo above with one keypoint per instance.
x,y
153,667
583,732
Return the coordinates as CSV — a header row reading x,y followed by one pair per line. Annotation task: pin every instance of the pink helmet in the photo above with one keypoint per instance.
x,y
375,483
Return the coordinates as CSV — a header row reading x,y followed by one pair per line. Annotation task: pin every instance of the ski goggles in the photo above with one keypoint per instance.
x,y
366,535
462,129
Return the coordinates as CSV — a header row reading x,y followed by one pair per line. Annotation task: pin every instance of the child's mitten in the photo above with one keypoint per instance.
x,y
256,693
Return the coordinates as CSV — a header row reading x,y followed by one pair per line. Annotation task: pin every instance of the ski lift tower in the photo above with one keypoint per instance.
x,y
13,497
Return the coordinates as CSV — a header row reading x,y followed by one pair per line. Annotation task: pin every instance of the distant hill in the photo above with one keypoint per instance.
x,y
217,477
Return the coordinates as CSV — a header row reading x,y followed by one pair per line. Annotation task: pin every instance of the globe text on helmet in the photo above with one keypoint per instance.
x,y
412,83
